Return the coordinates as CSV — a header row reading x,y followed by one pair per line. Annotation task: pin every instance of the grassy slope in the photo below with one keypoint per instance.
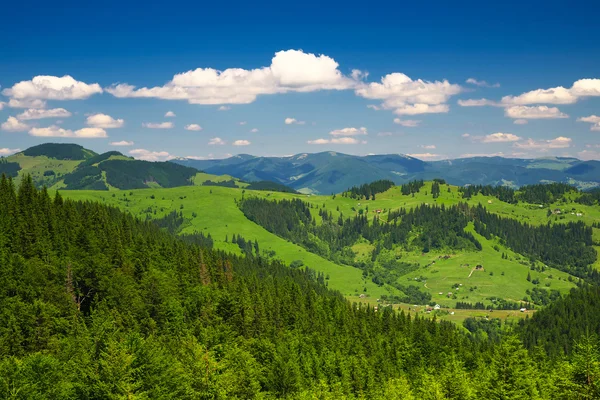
x,y
217,214
36,166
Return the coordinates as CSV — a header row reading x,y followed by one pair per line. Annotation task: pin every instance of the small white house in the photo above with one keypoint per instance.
x,y
437,307
523,309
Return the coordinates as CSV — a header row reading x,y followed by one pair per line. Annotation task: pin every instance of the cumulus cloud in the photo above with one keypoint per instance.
x,y
479,83
409,123
349,131
122,143
534,112
557,95
291,121
592,119
158,125
26,103
193,127
499,137
148,155
520,122
46,87
290,71
337,140
7,152
427,146
55,131
216,141
34,113
14,125
253,130
241,143
477,103
560,142
406,96
170,114
426,156
104,121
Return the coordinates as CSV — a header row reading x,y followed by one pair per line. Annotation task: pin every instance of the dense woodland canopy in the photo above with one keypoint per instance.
x,y
95,304
368,190
533,194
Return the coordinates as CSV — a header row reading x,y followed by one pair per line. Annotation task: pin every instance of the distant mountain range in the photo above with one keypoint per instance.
x,y
332,172
70,166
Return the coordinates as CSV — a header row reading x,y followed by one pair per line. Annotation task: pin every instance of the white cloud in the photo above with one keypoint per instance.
x,y
426,156
147,155
241,143
290,71
337,140
253,130
520,122
55,131
243,122
427,146
477,103
409,123
499,137
122,143
26,103
560,142
557,95
290,121
216,141
589,155
34,113
476,82
349,131
535,112
14,125
52,88
409,97
592,119
193,127
7,152
170,114
224,108
104,121
374,107
158,125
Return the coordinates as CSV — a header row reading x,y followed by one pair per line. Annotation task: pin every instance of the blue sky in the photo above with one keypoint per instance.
x,y
354,78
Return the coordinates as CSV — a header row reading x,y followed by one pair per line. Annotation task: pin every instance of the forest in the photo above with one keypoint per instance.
x,y
95,304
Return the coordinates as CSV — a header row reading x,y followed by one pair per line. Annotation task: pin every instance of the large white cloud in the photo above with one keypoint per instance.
x,y
290,71
407,96
14,125
349,131
46,87
534,112
148,155
158,125
55,131
592,119
34,113
104,121
477,103
560,142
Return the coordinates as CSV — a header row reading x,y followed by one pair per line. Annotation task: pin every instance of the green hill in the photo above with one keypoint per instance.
x,y
60,151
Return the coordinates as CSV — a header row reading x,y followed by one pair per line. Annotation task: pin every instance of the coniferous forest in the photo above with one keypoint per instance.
x,y
95,304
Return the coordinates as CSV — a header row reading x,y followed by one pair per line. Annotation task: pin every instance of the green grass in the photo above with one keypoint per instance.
x,y
36,166
213,210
